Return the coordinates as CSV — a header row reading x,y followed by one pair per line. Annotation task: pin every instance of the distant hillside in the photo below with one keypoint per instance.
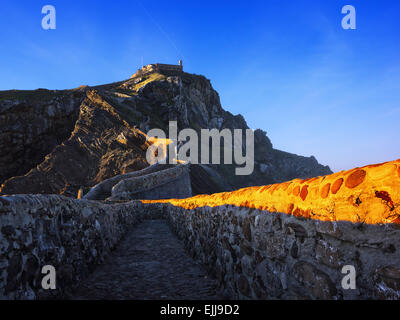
x,y
56,141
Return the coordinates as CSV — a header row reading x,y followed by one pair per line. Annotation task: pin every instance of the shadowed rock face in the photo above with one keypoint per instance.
x,y
101,146
55,142
32,124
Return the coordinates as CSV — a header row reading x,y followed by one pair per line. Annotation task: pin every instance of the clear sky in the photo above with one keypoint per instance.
x,y
287,66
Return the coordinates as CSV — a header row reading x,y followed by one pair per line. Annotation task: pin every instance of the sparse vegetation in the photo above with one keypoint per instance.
x,y
147,79
39,94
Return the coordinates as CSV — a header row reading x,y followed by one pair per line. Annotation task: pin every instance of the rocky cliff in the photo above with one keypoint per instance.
x,y
59,141
32,124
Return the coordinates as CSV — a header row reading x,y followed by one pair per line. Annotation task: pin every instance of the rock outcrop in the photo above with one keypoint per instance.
x,y
57,142
281,240
101,146
32,124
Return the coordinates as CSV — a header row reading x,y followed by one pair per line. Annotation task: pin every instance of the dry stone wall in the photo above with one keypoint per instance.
x,y
261,255
254,254
102,190
72,235
169,183
368,195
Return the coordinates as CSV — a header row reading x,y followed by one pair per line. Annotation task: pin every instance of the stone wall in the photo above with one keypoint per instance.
x,y
157,67
72,235
261,255
102,190
254,254
169,183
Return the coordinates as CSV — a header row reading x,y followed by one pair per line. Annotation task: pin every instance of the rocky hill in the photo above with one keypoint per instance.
x,y
57,141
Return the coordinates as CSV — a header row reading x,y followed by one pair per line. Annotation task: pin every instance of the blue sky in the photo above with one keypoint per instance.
x,y
287,66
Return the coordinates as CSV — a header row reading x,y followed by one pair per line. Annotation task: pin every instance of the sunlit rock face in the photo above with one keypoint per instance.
x,y
369,195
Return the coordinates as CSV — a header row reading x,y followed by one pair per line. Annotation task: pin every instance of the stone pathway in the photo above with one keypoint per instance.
x,y
150,263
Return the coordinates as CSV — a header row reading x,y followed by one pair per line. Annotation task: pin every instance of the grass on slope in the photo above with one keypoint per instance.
x,y
150,78
39,94
133,91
